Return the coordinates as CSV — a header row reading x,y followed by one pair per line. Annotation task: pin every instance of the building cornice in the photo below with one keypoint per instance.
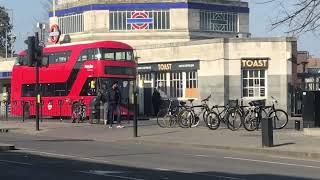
x,y
82,6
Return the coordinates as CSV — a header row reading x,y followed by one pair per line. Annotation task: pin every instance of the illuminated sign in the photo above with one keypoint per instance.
x,y
254,63
164,67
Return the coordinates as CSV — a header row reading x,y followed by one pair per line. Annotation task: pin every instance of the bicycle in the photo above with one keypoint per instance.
x,y
258,111
79,112
231,115
168,116
192,119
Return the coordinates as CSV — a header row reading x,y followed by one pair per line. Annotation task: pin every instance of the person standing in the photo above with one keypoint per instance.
x,y
114,100
102,96
156,100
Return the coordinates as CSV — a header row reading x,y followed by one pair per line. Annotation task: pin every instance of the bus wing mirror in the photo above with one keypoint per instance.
x,y
45,61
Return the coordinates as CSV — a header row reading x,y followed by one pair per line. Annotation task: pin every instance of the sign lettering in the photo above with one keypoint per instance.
x,y
164,67
254,63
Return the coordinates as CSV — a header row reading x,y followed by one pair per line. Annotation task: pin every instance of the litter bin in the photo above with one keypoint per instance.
x,y
267,132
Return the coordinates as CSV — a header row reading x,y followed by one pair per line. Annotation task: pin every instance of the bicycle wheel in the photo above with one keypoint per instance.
x,y
279,118
250,121
167,120
234,120
213,120
160,118
205,115
196,121
185,118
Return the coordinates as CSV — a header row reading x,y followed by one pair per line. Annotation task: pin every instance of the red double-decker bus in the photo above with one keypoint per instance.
x,y
75,73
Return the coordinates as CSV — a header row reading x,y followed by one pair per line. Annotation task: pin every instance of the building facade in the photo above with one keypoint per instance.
x,y
139,23
5,77
187,48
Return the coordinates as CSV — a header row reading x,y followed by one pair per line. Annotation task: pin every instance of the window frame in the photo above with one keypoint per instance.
x,y
59,54
91,55
71,23
207,17
254,79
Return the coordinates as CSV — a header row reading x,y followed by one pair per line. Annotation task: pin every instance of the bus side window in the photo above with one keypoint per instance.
x,y
89,88
28,90
51,58
121,55
83,56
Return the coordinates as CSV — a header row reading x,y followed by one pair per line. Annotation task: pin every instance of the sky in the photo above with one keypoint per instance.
x,y
28,12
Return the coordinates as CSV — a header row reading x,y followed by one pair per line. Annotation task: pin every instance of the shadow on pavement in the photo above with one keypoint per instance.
x,y
284,144
64,140
18,165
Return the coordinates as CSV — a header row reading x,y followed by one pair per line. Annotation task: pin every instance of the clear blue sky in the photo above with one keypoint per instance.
x,y
28,12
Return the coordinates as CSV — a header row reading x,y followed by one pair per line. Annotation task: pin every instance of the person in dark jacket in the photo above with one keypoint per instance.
x,y
114,100
102,96
156,100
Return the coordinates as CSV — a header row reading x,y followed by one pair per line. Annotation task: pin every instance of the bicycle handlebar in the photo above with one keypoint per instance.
x,y
274,100
206,99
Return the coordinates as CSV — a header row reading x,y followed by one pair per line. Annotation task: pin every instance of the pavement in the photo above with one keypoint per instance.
x,y
287,142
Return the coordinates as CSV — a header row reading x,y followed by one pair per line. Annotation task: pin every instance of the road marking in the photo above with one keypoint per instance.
x,y
221,177
273,162
162,169
63,155
110,175
306,160
196,155
16,162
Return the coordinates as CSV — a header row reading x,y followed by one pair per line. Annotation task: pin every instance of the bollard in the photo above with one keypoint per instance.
x,y
267,132
23,106
60,102
6,104
297,125
135,119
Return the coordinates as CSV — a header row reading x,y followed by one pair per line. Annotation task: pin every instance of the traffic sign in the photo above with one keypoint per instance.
x,y
54,33
139,20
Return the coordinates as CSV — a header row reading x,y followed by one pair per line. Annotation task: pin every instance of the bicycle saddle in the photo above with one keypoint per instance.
x,y
190,100
182,103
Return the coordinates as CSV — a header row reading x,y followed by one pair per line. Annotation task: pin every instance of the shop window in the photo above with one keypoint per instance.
x,y
192,79
176,85
145,76
161,83
254,83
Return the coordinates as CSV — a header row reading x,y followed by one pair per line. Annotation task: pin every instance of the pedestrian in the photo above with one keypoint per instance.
x,y
102,96
156,100
114,102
